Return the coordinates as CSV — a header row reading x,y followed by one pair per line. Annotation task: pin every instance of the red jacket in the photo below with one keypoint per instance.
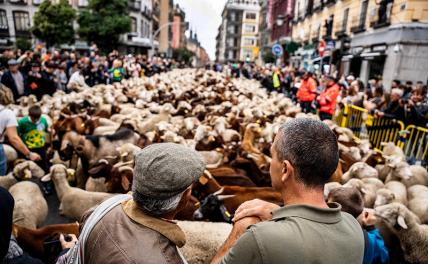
x,y
328,99
307,90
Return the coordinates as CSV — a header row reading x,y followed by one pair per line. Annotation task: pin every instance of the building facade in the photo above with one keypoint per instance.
x,y
179,28
16,19
385,39
165,20
237,38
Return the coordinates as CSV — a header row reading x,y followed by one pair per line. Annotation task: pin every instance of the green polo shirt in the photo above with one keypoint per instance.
x,y
301,234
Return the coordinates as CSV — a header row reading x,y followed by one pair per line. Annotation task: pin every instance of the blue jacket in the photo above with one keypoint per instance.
x,y
375,250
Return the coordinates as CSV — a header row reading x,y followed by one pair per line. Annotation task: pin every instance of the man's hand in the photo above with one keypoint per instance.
x,y
68,244
368,217
255,208
34,156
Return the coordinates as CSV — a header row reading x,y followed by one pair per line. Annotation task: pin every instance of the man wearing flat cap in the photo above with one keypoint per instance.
x,y
140,229
14,80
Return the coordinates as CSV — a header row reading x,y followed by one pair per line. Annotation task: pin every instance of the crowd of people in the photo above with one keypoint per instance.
x,y
404,101
44,72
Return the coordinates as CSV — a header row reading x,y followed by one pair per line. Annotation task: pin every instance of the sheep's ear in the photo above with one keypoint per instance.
x,y
364,190
125,183
401,222
224,197
46,178
393,196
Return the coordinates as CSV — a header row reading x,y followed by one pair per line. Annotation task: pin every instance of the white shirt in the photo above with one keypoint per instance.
x,y
7,119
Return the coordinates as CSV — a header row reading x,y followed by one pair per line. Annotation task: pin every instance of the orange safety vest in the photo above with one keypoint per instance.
x,y
328,99
307,91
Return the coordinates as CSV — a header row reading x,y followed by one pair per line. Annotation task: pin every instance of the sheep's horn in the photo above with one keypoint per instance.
x,y
219,191
224,197
125,168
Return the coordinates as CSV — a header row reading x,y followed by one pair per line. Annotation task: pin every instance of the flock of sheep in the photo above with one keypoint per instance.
x,y
232,122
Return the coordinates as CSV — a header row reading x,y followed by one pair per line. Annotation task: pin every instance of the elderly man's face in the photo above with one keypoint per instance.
x,y
13,68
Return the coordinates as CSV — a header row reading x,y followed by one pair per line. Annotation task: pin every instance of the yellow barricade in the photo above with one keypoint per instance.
x,y
355,119
383,130
415,145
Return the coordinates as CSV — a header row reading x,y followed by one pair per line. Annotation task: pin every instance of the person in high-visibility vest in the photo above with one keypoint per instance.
x,y
276,79
328,97
307,92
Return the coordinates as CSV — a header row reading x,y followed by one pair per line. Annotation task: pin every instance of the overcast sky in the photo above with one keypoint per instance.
x,y
204,17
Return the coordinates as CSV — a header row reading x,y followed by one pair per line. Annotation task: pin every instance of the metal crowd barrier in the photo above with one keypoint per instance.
x,y
415,145
413,140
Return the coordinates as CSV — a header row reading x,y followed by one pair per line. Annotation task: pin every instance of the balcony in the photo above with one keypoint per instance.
x,y
383,18
134,5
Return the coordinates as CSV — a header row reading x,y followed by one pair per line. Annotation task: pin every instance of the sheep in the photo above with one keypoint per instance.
x,y
11,154
31,207
328,187
74,202
407,174
368,190
406,225
418,197
394,191
203,239
22,171
392,151
96,184
359,170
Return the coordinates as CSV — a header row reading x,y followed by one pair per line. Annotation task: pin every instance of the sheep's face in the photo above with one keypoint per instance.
x,y
383,197
392,214
364,170
403,171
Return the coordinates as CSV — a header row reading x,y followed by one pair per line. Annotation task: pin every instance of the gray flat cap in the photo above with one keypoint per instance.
x,y
166,169
12,62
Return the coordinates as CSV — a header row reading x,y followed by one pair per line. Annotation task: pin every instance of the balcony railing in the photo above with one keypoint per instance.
x,y
19,2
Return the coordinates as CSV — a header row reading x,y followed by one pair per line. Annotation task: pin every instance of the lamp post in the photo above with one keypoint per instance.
x,y
152,50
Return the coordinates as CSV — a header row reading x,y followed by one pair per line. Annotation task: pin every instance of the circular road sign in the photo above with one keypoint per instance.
x,y
277,50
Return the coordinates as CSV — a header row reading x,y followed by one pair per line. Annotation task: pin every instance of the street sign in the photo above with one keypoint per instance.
x,y
330,45
277,50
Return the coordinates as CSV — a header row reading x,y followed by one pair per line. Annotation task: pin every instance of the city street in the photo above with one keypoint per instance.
x,y
198,131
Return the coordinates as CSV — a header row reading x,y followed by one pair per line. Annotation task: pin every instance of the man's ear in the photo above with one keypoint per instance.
x,y
287,170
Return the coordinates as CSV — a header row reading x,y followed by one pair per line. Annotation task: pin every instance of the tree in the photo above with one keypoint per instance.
x,y
268,57
183,54
23,44
53,23
103,22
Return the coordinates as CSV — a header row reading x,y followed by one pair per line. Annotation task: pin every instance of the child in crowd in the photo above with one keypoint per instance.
x,y
352,202
117,72
33,129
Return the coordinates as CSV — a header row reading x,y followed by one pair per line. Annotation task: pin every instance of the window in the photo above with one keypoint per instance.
x,y
363,14
3,20
145,29
345,19
249,41
18,1
230,42
231,29
83,3
250,28
22,20
230,55
250,15
232,16
133,25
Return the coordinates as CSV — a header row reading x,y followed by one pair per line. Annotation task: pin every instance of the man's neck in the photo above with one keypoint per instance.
x,y
303,195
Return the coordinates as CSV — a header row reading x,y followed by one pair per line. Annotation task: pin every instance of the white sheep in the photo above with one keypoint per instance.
x,y
22,171
31,207
359,170
11,154
368,190
203,239
394,191
330,186
418,197
74,201
407,174
406,225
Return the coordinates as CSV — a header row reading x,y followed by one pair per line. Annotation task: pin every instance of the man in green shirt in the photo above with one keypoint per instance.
x,y
307,229
33,129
